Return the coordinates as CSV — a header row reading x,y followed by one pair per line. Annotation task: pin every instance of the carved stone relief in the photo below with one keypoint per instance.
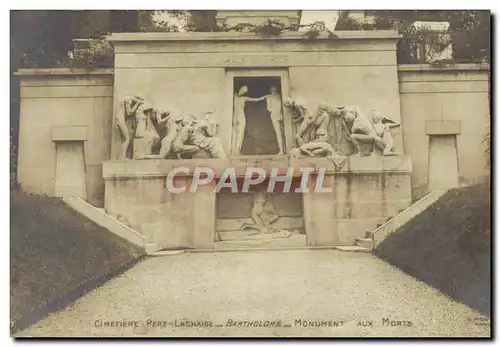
x,y
184,135
322,133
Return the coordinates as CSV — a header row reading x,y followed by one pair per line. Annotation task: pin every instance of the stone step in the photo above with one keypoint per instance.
x,y
250,234
287,223
162,253
353,249
152,248
364,242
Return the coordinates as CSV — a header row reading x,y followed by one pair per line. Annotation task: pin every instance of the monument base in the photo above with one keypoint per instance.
x,y
362,194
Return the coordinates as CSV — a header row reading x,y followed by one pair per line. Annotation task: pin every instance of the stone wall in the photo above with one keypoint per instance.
x,y
450,100
71,109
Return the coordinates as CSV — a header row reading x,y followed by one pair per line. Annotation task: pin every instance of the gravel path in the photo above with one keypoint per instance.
x,y
315,292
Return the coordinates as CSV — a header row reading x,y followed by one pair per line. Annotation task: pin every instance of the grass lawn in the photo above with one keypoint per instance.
x,y
56,255
448,246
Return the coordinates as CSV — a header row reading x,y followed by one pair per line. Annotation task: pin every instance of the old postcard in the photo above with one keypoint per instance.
x,y
256,173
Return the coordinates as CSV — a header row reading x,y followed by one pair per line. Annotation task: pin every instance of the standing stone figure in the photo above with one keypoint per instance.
x,y
383,128
302,117
274,107
125,120
239,120
172,123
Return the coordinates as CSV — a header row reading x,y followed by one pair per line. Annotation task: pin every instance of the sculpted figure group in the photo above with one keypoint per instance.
x,y
140,125
317,134
274,107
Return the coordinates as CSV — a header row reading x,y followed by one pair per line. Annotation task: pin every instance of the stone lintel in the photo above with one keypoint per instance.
x,y
443,127
69,133
155,168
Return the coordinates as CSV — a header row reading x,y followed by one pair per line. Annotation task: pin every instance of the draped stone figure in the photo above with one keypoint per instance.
x,y
313,135
205,136
171,121
126,123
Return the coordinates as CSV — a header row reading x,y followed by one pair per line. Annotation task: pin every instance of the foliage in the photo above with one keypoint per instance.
x,y
98,54
201,20
43,46
468,31
268,29
347,23
314,29
148,24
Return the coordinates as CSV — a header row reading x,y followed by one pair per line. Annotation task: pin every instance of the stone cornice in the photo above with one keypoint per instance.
x,y
444,67
62,72
117,38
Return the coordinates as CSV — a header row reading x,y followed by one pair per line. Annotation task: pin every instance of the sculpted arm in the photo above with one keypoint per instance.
x,y
129,109
256,99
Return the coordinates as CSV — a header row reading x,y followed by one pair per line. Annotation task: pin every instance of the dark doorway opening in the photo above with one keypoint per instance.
x,y
259,136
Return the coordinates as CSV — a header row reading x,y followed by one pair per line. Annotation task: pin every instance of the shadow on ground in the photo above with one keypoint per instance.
x,y
448,246
57,255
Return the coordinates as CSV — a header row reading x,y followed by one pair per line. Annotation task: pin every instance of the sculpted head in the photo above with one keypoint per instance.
x,y
351,113
376,117
146,107
323,109
243,90
273,90
289,102
188,119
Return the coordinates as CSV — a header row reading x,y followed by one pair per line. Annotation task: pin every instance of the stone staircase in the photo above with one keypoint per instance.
x,y
100,217
373,238
367,241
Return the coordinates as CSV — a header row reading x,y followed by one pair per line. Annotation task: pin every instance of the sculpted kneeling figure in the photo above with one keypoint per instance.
x,y
359,129
204,135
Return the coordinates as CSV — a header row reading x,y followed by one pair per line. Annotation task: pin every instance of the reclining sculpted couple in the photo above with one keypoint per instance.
x,y
140,124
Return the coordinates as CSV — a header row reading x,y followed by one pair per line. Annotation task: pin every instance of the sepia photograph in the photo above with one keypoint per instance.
x,y
250,173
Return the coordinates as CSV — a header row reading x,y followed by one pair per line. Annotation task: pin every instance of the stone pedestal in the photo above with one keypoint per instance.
x,y
364,193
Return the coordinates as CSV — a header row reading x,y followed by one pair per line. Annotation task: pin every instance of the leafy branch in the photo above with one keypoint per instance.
x,y
276,28
99,53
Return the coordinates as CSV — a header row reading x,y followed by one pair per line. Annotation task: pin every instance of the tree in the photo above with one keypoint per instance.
x,y
469,31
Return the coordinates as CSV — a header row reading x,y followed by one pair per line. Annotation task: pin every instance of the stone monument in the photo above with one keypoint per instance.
x,y
266,114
